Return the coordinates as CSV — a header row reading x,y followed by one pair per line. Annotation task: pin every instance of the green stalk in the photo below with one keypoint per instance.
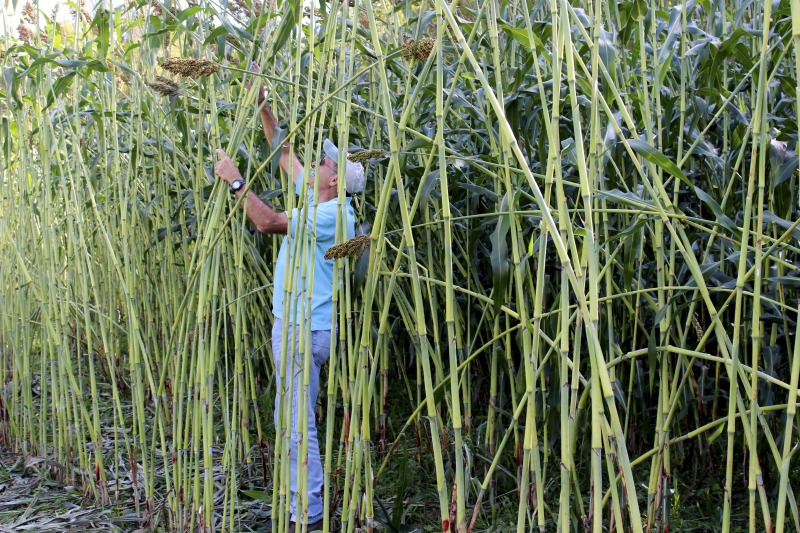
x,y
758,123
791,410
394,172
455,403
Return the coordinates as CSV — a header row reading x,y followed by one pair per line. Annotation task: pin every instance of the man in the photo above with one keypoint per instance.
x,y
321,223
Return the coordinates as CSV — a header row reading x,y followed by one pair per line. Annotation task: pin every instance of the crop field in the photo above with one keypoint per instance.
x,y
571,304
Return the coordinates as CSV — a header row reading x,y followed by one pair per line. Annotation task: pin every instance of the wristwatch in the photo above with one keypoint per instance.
x,y
236,185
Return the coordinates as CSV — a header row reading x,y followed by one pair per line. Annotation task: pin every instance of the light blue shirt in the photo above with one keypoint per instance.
x,y
325,230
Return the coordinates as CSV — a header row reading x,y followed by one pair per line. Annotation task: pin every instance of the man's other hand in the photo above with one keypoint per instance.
x,y
226,169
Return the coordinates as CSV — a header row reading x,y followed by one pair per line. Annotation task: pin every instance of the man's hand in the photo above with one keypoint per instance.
x,y
226,169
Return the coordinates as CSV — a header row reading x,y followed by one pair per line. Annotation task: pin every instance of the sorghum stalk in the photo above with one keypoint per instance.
x,y
562,252
455,403
758,125
531,455
791,408
587,190
421,335
342,305
755,481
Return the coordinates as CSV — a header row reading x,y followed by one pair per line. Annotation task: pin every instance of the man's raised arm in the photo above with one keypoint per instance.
x,y
289,162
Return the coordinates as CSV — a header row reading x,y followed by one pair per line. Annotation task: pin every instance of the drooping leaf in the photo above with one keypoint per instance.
x,y
721,217
290,18
673,30
499,258
258,495
59,87
430,183
521,35
770,217
657,158
787,169
216,33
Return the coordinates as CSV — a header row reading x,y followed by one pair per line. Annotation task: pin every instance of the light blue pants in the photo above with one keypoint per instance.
x,y
320,351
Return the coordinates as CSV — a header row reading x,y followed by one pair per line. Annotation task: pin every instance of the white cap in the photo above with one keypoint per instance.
x,y
353,172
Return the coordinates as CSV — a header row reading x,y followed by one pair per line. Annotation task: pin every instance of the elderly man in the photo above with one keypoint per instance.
x,y
320,223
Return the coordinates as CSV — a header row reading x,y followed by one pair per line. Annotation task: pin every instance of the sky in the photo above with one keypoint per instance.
x,y
10,18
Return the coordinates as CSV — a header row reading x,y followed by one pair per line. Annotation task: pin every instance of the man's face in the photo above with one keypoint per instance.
x,y
325,171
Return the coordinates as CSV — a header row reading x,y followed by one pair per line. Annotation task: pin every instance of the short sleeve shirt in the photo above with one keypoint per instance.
x,y
318,236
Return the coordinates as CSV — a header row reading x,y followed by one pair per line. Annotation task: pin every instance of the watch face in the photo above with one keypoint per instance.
x,y
236,185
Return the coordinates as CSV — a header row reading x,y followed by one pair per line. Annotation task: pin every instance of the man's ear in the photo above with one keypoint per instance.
x,y
335,180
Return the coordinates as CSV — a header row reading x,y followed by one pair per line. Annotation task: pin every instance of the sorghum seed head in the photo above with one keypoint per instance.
x,y
164,86
167,81
25,34
408,49
355,247
189,66
84,15
424,48
419,50
365,155
698,329
239,6
29,13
